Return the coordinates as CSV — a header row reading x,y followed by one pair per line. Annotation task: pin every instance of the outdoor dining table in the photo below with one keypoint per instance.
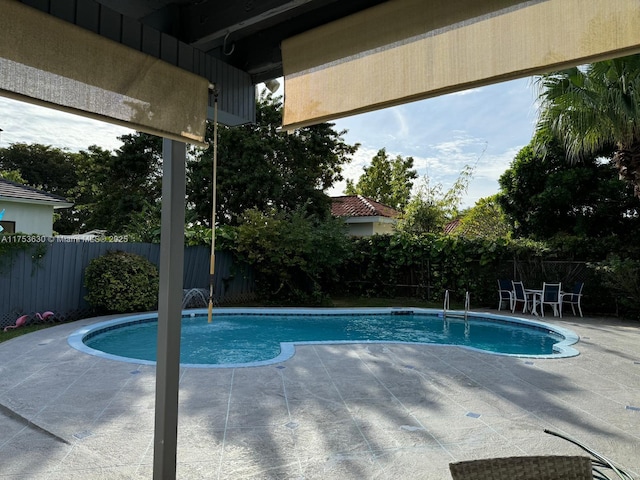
x,y
534,293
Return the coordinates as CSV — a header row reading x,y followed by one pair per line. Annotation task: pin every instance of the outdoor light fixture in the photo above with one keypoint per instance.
x,y
272,85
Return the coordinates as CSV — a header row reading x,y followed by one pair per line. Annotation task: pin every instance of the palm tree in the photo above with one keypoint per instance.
x,y
595,108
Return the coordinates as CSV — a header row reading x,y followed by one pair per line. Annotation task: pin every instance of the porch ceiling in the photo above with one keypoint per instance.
x,y
245,34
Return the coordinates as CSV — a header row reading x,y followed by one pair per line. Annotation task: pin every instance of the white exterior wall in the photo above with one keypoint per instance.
x,y
367,226
383,228
29,218
360,229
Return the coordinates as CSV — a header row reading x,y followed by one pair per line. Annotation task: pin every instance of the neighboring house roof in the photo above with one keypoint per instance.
x,y
451,226
87,236
16,192
359,206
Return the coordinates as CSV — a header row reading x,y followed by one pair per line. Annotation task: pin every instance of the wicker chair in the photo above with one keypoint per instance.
x,y
548,467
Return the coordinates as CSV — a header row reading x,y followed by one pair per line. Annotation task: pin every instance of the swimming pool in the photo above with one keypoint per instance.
x,y
254,337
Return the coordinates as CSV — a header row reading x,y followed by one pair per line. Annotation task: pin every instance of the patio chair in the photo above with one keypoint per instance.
x,y
544,467
574,297
547,467
505,292
520,295
551,295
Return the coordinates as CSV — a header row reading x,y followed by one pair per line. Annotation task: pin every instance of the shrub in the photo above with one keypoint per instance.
x,y
120,282
293,254
622,277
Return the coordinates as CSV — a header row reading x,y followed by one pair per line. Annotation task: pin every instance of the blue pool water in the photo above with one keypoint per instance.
x,y
255,337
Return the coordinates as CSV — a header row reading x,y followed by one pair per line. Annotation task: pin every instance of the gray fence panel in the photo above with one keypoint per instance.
x,y
55,281
234,282
196,266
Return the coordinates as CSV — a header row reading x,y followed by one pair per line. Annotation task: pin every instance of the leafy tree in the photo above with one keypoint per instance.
x,y
484,220
293,253
594,108
46,168
108,189
116,188
622,277
12,176
543,196
388,181
260,168
91,166
431,208
422,215
144,225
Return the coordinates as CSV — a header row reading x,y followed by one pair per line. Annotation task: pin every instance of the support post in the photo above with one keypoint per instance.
x,y
169,309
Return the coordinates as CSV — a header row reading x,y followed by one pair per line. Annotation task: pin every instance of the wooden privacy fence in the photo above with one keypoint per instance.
x,y
50,276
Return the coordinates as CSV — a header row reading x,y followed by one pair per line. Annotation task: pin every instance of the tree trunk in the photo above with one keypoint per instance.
x,y
627,161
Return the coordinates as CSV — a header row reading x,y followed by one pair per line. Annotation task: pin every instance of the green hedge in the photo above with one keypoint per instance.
x,y
300,259
121,282
425,266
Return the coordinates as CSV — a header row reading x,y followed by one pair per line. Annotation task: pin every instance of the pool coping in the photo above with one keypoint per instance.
x,y
287,349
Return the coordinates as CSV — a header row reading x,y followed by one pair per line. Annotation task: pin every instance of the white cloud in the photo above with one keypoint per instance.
x,y
353,170
492,166
426,163
26,123
466,92
457,146
403,125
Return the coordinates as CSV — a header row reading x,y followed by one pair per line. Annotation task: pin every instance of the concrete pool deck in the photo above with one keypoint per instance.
x,y
350,411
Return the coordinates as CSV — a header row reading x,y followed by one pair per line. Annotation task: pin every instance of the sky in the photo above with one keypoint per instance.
x,y
483,127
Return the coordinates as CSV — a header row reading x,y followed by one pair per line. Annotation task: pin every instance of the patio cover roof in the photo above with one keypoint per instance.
x,y
338,58
148,64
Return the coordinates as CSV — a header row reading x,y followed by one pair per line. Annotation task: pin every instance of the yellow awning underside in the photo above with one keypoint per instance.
x,y
47,61
406,50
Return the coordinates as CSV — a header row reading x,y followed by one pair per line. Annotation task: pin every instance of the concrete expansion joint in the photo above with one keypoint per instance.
x,y
9,412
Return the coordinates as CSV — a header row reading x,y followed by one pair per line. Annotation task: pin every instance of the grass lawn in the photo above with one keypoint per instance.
x,y
16,332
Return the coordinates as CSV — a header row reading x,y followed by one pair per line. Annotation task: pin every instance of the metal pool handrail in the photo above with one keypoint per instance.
x,y
445,307
467,304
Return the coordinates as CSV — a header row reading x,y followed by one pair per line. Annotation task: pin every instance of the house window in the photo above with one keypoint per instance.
x,y
9,227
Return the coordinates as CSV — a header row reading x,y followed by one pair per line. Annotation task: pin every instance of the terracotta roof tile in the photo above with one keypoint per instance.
x,y
359,206
451,226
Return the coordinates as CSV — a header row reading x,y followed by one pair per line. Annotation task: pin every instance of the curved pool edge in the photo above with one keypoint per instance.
x,y
287,349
